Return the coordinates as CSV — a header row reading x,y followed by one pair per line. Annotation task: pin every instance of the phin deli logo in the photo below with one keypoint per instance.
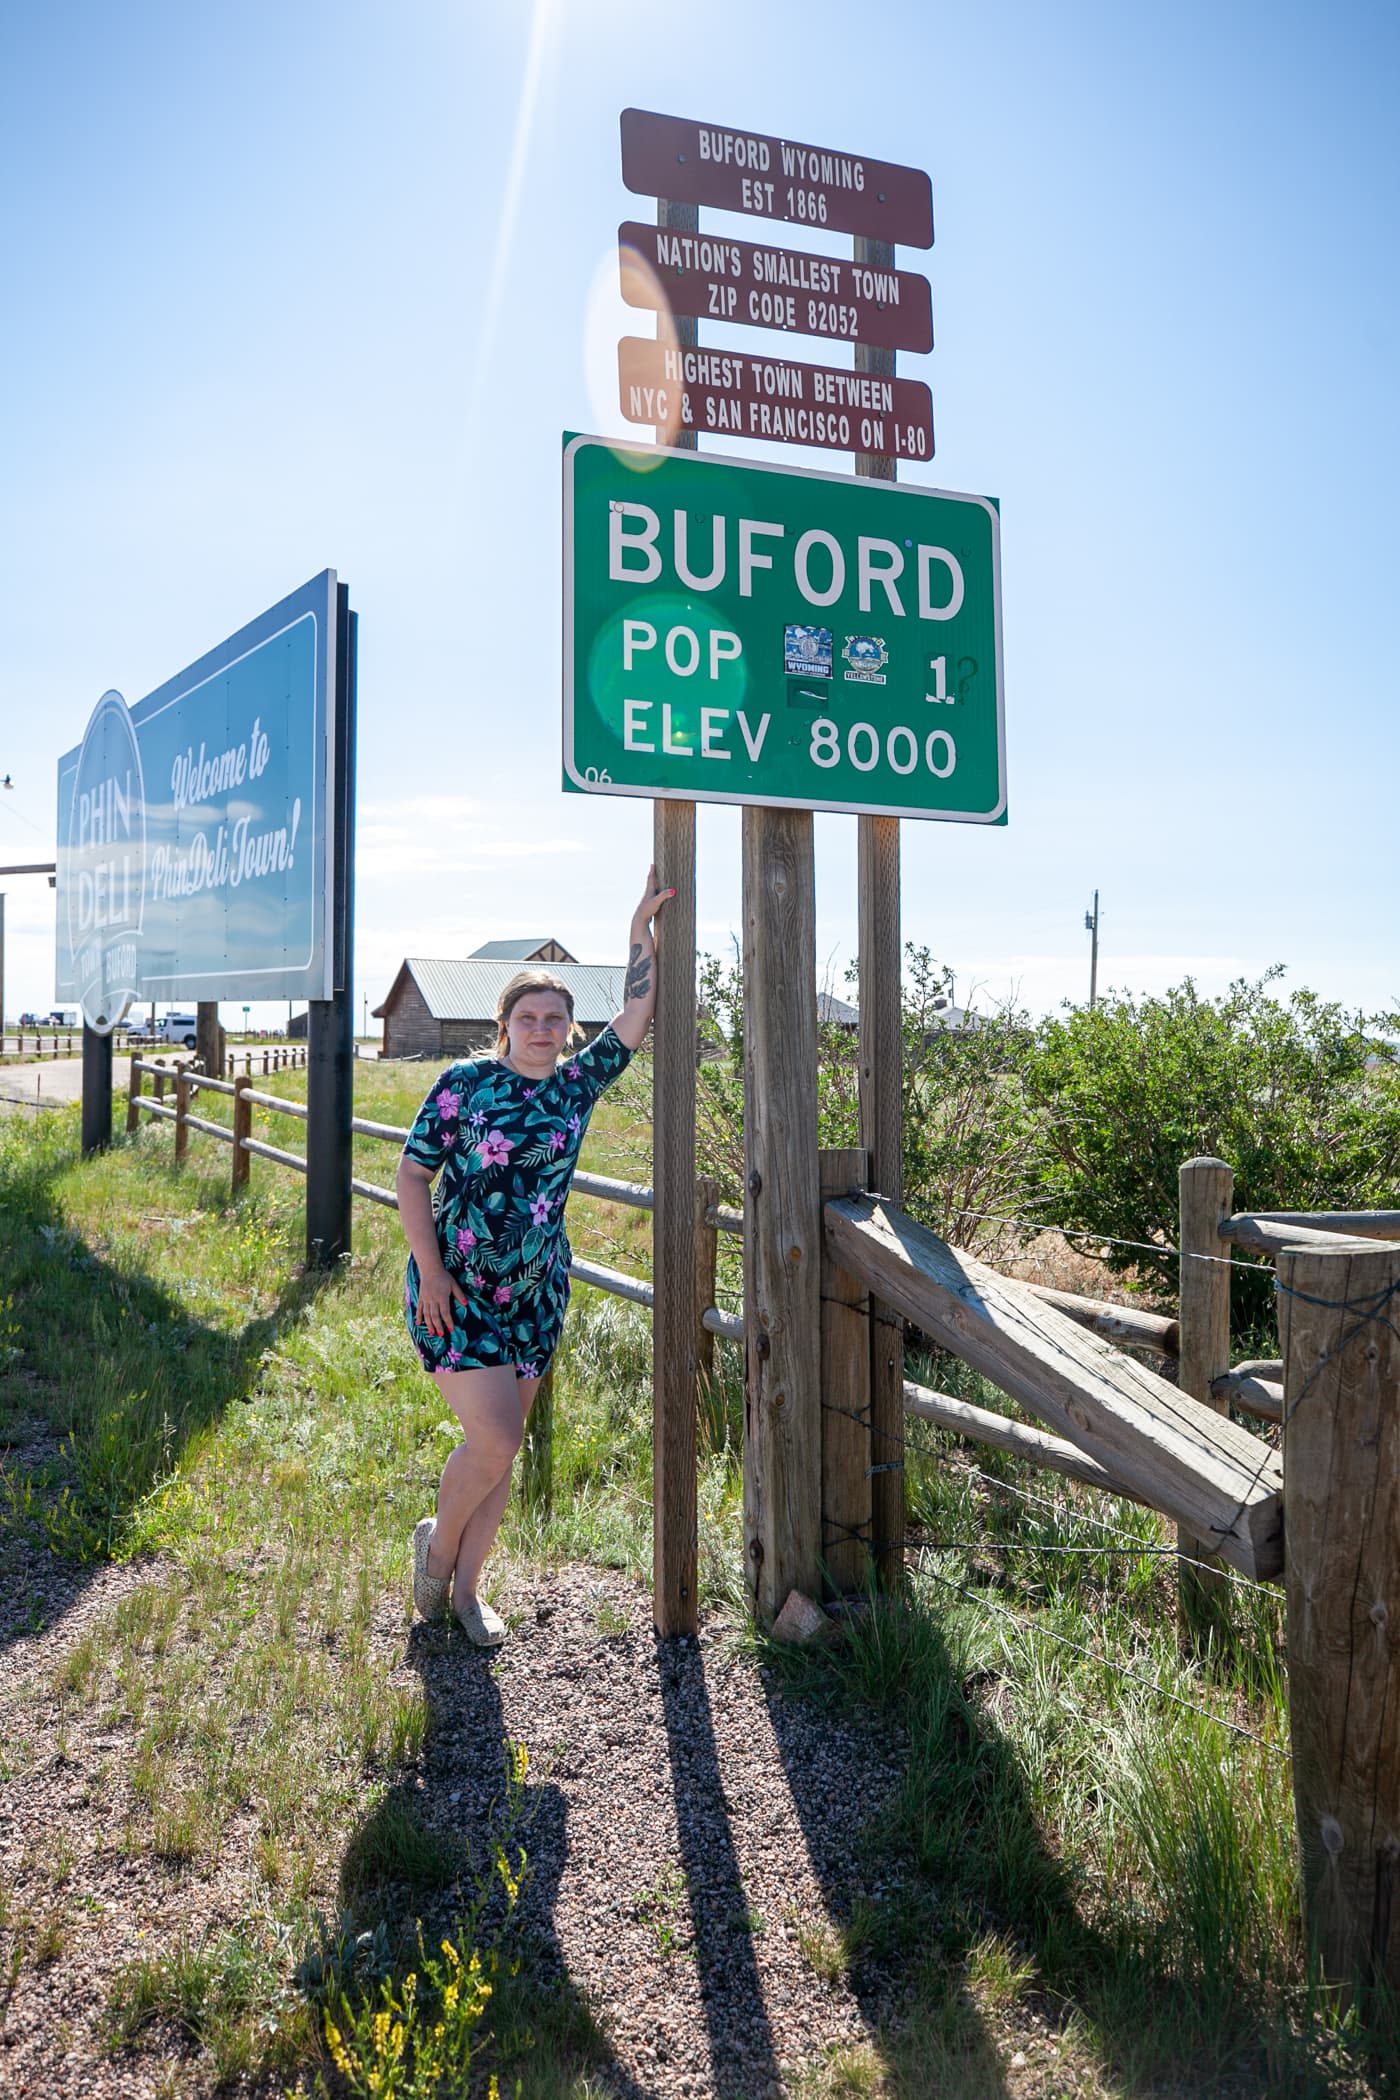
x,y
105,864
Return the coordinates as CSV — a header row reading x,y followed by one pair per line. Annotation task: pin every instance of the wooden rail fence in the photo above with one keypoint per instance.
x,y
1319,1512
50,1037
277,1057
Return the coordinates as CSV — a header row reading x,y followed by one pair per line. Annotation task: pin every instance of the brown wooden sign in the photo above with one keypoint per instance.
x,y
718,279
772,178
736,393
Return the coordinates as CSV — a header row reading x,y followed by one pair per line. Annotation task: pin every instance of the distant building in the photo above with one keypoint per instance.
x,y
437,1009
546,951
836,1013
839,1013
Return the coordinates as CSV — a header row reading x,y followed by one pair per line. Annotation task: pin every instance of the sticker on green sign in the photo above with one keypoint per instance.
x,y
735,632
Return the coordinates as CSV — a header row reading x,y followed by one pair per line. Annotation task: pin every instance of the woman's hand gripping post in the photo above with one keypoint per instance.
x,y
639,990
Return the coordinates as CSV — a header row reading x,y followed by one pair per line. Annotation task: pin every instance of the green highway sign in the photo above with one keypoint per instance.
x,y
738,632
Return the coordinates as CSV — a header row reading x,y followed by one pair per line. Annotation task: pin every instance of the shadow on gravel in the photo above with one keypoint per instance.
x,y
959,1855
105,1375
440,1818
743,2061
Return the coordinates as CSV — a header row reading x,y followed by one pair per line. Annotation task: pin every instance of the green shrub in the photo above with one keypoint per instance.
x,y
1300,1098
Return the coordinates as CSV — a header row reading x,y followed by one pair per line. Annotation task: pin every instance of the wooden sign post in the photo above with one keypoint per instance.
x,y
768,686
782,1212
675,1332
882,1076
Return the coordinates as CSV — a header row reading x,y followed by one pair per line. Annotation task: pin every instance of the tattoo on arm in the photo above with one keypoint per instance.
x,y
638,981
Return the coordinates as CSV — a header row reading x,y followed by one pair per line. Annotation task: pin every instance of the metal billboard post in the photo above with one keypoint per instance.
x,y
97,1091
330,1032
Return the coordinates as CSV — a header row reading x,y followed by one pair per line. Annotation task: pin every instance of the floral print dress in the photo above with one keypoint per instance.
x,y
507,1147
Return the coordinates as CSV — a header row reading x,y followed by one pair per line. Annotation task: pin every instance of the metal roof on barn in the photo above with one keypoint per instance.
x,y
518,951
836,1012
468,991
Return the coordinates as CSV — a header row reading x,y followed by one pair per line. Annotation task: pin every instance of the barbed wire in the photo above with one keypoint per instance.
x,y
1071,1513
1105,1662
1370,1309
1170,1409
1109,1239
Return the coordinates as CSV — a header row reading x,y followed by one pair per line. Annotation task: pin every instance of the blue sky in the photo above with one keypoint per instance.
x,y
297,286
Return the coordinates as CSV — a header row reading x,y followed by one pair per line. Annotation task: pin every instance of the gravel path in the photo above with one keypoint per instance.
x,y
686,1824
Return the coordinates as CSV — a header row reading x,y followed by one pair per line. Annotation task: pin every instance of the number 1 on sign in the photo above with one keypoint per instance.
x,y
939,667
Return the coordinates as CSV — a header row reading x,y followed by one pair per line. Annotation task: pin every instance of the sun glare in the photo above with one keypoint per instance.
x,y
545,16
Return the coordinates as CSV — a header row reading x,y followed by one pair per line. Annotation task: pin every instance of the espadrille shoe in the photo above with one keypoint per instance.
x,y
482,1626
430,1592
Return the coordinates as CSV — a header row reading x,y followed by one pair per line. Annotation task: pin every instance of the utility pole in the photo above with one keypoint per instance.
x,y
1091,926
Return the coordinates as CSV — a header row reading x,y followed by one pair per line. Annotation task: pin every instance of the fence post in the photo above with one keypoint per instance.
x,y
845,1391
706,1261
133,1096
160,1082
242,1131
182,1109
1207,1191
537,1452
1341,1490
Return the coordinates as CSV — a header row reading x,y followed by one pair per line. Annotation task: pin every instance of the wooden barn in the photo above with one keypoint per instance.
x,y
437,1009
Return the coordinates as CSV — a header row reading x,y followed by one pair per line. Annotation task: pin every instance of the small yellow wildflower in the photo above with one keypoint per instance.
x,y
337,2048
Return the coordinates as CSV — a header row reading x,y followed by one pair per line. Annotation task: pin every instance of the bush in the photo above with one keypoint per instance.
x,y
1300,1098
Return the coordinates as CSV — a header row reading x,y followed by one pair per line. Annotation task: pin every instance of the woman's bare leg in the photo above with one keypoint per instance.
x,y
479,1532
487,1404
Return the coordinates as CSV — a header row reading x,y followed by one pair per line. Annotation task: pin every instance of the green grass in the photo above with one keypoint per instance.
x,y
1078,1853
1080,1831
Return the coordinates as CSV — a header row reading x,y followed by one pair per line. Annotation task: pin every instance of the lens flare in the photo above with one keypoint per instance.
x,y
623,280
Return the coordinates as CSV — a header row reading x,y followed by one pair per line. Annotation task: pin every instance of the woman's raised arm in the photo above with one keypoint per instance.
x,y
639,990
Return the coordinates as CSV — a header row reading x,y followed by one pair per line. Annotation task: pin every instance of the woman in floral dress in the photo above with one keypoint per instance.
x,y
488,1276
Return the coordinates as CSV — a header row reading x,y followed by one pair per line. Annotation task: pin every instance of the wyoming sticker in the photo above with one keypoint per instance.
x,y
807,652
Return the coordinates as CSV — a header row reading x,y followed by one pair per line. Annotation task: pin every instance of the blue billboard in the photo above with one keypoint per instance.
x,y
195,834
